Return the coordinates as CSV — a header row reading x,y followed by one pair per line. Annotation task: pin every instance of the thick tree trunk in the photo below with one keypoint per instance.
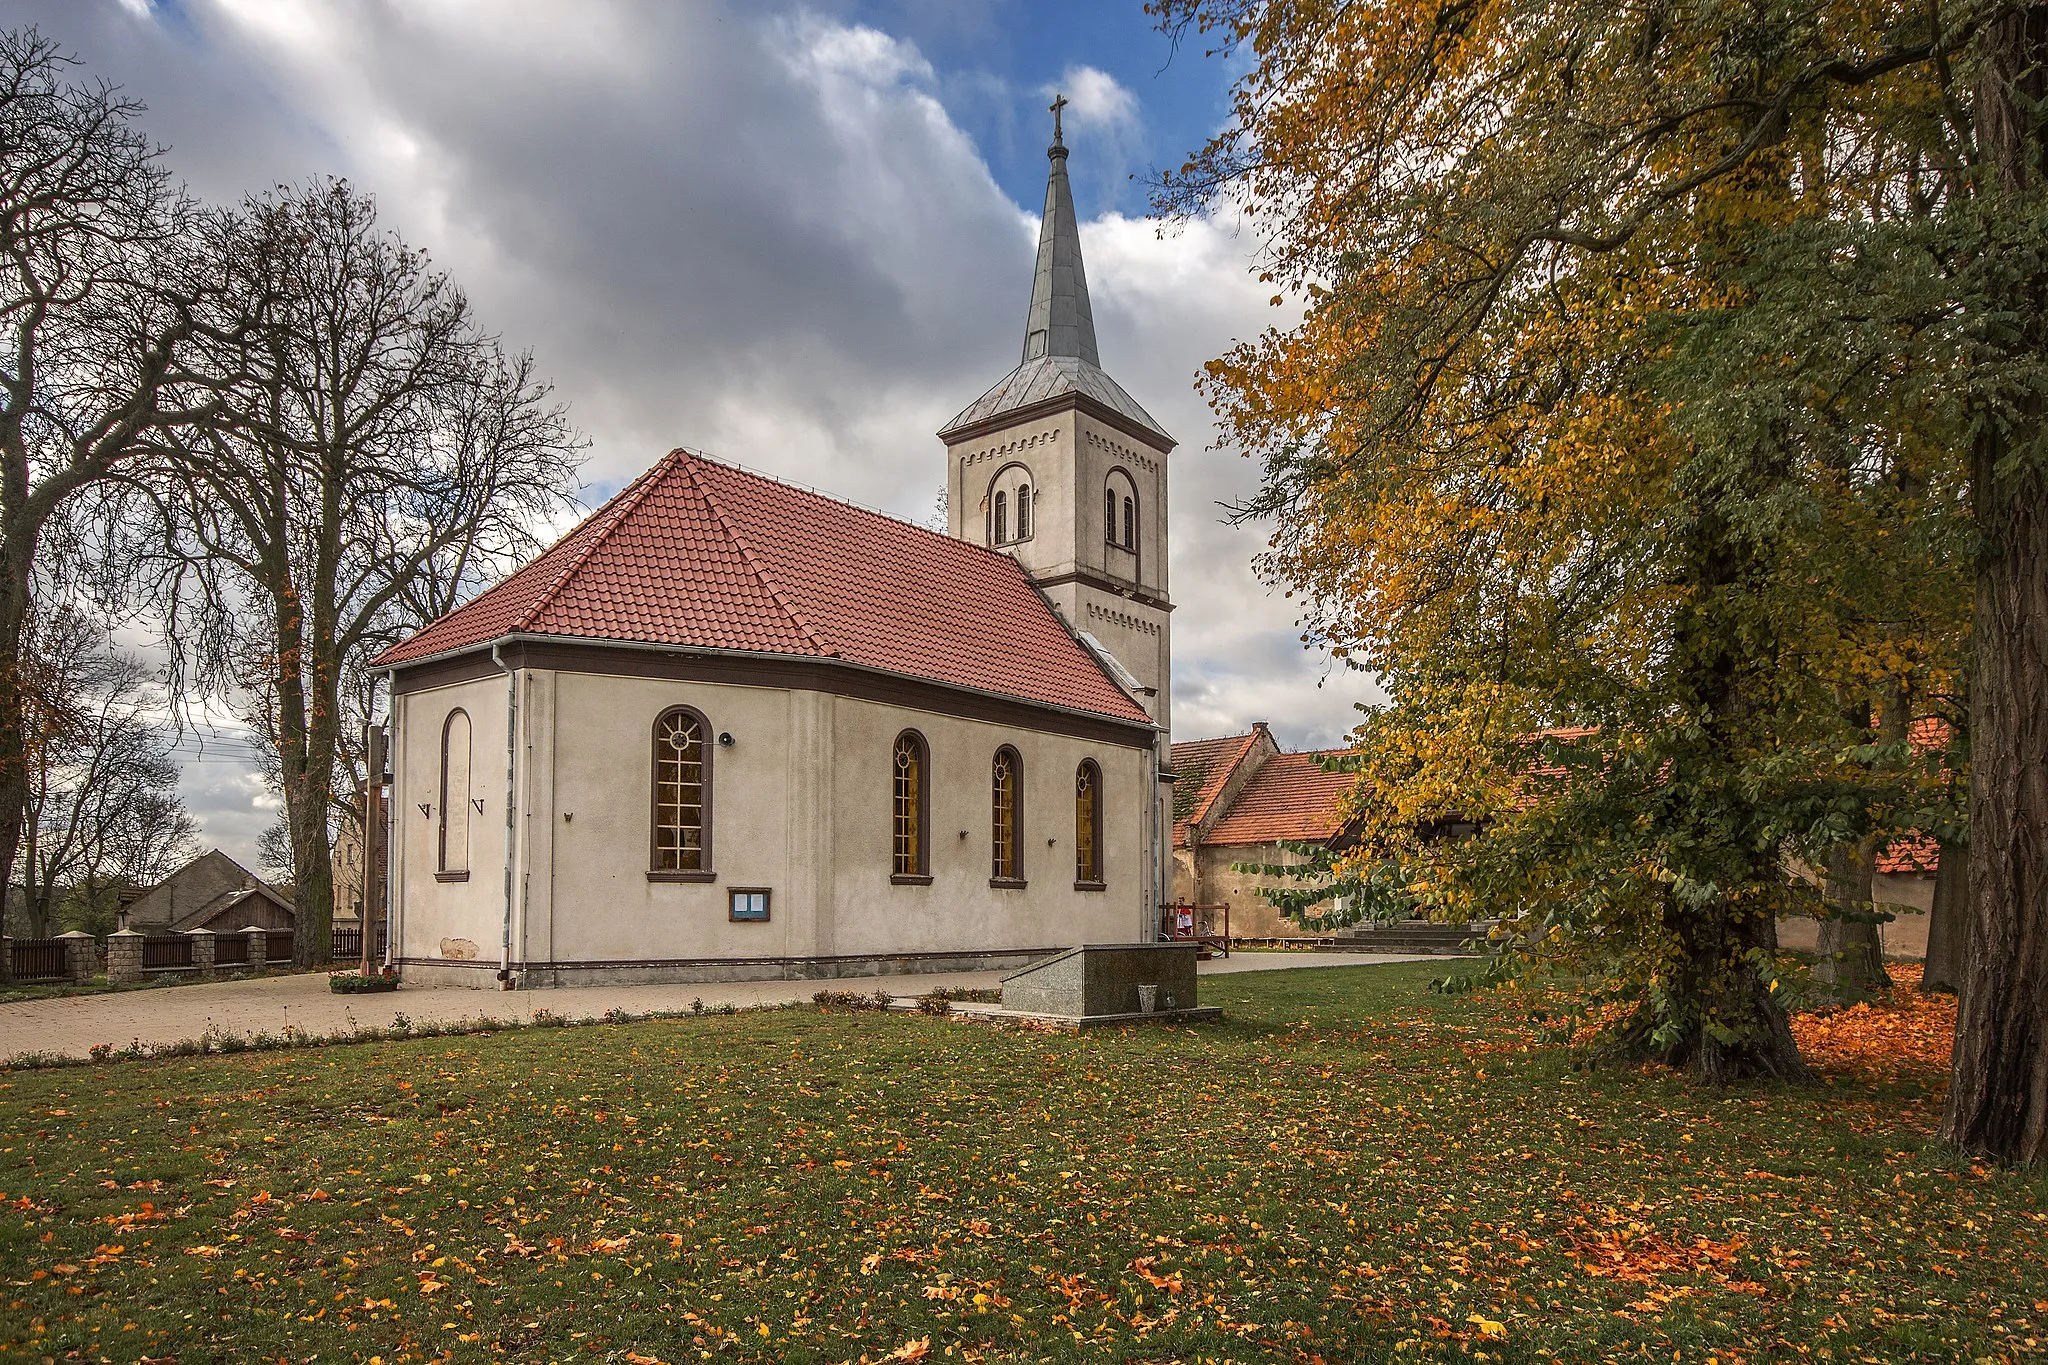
x,y
1736,1029
1998,1088
1851,951
1948,939
15,561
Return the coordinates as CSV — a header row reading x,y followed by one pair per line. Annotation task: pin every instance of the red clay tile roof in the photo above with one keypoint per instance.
x,y
1290,797
699,554
1202,766
1910,852
1914,851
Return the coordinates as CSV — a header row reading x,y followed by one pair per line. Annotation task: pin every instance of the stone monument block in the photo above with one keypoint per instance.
x,y
1108,981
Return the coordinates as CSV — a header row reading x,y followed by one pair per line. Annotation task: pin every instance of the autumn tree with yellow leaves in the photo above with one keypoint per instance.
x,y
1661,411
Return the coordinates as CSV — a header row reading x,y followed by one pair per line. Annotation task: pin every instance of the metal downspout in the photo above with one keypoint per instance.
x,y
391,860
511,828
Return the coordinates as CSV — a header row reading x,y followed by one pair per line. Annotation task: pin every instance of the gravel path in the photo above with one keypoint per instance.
x,y
71,1026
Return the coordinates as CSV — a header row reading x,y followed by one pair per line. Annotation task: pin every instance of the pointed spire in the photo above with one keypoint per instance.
x,y
1060,322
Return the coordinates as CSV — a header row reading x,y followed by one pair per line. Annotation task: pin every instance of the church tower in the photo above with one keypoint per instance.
x,y
1060,468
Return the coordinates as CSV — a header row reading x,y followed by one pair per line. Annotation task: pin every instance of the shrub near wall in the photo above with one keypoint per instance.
x,y
355,983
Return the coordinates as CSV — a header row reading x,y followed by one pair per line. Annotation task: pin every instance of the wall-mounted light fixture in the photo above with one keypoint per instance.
x,y
725,739
567,816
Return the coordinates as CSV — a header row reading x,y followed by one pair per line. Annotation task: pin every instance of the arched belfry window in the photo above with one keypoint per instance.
x,y
909,809
1006,818
452,859
1088,825
1011,512
682,797
1120,512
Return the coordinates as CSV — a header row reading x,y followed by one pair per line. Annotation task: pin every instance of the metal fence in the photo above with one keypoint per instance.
x,y
166,953
39,959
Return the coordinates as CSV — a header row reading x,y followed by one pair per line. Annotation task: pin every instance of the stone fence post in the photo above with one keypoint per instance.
x,y
259,947
81,956
124,955
202,949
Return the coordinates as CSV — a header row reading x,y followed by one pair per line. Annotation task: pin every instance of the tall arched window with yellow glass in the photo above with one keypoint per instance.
x,y
1006,818
909,827
682,797
1088,825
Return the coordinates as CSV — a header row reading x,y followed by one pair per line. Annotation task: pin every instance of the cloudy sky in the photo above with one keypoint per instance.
x,y
795,236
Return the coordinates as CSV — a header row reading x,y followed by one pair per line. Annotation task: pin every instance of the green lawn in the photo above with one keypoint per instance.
x,y
1350,1168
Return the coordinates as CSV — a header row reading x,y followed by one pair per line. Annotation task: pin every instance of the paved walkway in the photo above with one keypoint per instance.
x,y
72,1025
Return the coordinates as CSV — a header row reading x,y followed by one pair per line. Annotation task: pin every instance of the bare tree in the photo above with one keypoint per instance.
x,y
378,456
95,307
102,801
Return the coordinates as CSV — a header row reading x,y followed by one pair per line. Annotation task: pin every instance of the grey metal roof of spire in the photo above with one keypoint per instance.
x,y
1059,330
1060,322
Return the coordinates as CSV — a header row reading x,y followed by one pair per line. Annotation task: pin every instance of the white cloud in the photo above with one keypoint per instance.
x,y
1096,99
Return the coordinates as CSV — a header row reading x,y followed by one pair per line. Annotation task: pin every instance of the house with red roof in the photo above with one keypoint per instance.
x,y
730,728
1240,800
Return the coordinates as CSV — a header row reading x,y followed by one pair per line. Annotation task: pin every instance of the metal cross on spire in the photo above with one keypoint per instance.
x,y
1059,102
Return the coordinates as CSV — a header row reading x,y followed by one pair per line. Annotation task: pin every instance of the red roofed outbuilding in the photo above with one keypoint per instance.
x,y
1240,799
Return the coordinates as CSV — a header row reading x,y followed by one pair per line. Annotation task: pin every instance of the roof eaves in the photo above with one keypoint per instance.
x,y
837,661
957,431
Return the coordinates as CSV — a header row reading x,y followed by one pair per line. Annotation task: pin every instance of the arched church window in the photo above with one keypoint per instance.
x,y
682,790
1006,813
453,842
909,827
1120,511
1088,825
1009,504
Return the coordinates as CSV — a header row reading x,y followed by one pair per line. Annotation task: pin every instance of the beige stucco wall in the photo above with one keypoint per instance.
x,y
443,918
799,805
1250,914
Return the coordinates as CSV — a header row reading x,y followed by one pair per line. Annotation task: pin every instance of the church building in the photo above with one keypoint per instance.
x,y
729,728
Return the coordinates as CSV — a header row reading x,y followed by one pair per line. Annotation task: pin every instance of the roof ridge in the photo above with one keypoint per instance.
x,y
760,570
1229,766
624,501
943,537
